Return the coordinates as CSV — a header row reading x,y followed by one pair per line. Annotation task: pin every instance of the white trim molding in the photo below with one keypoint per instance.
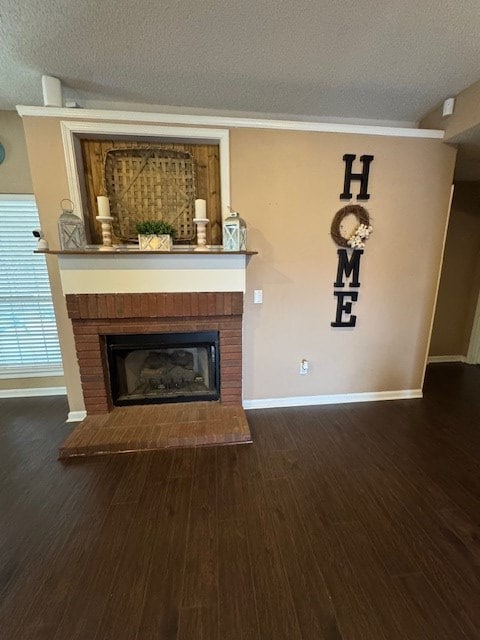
x,y
436,359
230,122
339,398
71,131
33,392
76,416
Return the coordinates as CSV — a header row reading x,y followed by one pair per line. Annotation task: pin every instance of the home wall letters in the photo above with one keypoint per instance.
x,y
349,263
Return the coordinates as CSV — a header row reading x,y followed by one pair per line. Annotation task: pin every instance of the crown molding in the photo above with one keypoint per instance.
x,y
226,122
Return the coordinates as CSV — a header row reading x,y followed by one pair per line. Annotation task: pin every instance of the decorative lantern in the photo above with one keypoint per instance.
x,y
234,233
71,229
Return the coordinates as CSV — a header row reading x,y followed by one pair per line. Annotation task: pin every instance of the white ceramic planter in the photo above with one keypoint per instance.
x,y
153,242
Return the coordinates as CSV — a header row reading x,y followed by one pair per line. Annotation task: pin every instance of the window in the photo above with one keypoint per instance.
x,y
28,331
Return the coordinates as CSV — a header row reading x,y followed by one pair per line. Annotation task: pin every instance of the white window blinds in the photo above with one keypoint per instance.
x,y
28,331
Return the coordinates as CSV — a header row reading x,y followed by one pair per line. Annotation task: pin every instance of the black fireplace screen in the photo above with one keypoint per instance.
x,y
163,367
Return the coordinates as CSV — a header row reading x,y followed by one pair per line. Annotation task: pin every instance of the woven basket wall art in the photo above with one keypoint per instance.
x,y
150,184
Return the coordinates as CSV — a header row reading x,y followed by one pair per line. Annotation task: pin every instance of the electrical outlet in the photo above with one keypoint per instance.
x,y
304,367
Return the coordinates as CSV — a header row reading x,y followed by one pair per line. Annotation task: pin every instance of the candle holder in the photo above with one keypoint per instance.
x,y
201,233
106,222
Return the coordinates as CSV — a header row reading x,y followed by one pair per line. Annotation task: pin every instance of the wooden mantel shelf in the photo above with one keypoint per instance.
x,y
135,252
134,271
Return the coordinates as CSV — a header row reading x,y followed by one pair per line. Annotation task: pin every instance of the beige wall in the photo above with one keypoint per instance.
x,y
434,119
14,171
465,117
466,112
15,178
287,185
460,280
47,165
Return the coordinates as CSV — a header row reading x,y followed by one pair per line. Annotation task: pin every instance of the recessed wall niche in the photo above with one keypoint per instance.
x,y
199,164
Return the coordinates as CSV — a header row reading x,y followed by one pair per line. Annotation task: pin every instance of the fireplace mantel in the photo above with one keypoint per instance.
x,y
134,252
133,271
135,292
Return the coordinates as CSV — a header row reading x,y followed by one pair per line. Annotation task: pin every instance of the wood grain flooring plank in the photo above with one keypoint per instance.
x,y
183,463
82,614
161,609
368,500
248,463
427,549
44,590
464,533
230,500
160,466
132,482
48,603
237,608
416,442
201,562
313,604
428,611
271,427
121,618
357,618
388,597
277,617
83,494
198,623
434,555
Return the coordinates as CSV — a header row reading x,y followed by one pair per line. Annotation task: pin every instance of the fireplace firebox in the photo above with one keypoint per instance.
x,y
163,367
98,316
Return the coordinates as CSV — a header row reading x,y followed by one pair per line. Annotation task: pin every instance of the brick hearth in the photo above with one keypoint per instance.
x,y
95,316
150,427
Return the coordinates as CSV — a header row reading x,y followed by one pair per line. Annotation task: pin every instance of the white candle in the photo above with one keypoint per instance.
x,y
103,206
200,208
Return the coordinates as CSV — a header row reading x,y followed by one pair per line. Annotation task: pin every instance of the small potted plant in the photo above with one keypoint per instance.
x,y
155,235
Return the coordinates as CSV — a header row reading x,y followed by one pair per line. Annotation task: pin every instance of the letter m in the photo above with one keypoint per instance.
x,y
348,266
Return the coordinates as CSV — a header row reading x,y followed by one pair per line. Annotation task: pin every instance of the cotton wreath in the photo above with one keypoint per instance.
x,y
362,231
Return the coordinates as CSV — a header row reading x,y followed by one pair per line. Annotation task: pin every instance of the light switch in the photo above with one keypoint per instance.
x,y
258,296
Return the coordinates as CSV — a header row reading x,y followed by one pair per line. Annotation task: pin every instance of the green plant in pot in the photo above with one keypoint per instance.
x,y
155,235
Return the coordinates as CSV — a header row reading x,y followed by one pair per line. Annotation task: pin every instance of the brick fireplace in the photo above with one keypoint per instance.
x,y
97,315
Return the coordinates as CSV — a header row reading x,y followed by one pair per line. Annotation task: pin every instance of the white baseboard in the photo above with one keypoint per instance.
x,y
340,398
76,416
34,391
434,359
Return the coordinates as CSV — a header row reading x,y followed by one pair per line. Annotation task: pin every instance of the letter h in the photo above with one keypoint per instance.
x,y
362,177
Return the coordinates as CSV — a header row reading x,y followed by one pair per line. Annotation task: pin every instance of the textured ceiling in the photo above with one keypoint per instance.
x,y
365,59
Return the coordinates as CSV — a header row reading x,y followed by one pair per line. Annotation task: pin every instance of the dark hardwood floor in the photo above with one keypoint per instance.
x,y
340,522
